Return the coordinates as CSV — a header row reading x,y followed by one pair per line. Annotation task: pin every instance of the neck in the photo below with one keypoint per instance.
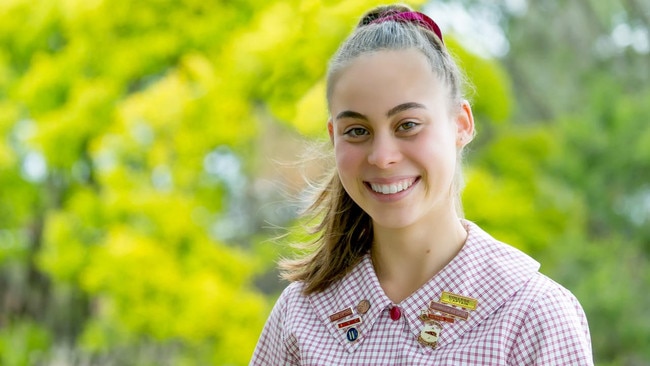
x,y
406,258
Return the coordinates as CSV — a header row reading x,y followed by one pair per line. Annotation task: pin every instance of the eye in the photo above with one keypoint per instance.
x,y
407,126
356,132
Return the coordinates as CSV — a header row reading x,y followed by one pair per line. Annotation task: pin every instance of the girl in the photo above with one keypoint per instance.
x,y
397,277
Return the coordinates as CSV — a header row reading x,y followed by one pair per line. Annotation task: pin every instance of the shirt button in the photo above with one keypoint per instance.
x,y
395,313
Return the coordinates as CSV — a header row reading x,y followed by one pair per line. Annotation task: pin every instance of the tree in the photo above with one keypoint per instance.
x,y
118,118
580,79
135,158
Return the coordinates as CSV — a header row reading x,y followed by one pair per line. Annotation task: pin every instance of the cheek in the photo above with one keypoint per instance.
x,y
436,157
441,144
348,160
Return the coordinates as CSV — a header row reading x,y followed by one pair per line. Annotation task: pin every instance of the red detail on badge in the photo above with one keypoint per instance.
x,y
431,333
341,314
426,316
395,313
347,323
441,318
448,310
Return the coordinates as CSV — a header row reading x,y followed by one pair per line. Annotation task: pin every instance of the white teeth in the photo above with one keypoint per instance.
x,y
392,188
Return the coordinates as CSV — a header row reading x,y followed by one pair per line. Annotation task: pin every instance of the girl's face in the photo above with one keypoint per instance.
x,y
396,138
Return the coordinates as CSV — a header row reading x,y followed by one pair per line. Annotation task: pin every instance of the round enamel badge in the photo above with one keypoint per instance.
x,y
352,334
363,306
429,334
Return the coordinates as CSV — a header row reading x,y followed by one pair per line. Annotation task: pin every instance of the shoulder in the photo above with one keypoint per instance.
x,y
491,254
292,292
545,288
274,347
546,322
554,328
551,302
505,269
291,299
546,302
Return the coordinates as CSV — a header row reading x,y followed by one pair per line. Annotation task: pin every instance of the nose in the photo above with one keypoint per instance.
x,y
384,152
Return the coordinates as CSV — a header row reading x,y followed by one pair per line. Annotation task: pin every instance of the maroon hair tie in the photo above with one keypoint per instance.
x,y
413,16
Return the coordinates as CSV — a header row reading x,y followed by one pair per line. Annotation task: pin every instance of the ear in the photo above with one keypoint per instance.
x,y
464,125
330,129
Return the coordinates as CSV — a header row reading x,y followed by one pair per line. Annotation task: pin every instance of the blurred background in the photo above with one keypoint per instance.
x,y
153,151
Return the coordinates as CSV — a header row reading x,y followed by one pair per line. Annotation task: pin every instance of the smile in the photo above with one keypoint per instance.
x,y
393,187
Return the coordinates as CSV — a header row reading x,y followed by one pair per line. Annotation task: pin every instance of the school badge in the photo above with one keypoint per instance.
x,y
429,334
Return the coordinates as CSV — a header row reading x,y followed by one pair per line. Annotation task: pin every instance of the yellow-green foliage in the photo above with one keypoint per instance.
x,y
510,196
488,86
120,102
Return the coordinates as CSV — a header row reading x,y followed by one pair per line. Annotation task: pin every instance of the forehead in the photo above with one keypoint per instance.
x,y
384,79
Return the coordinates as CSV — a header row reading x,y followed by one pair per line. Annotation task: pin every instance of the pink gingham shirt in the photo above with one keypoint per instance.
x,y
522,317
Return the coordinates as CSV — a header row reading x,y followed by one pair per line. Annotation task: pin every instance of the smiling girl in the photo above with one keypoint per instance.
x,y
397,276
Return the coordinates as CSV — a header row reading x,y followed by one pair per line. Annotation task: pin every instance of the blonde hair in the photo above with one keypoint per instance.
x,y
345,230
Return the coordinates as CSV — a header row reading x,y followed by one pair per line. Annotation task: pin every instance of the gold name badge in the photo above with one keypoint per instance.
x,y
458,300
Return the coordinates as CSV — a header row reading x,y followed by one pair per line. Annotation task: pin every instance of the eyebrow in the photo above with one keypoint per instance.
x,y
393,111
